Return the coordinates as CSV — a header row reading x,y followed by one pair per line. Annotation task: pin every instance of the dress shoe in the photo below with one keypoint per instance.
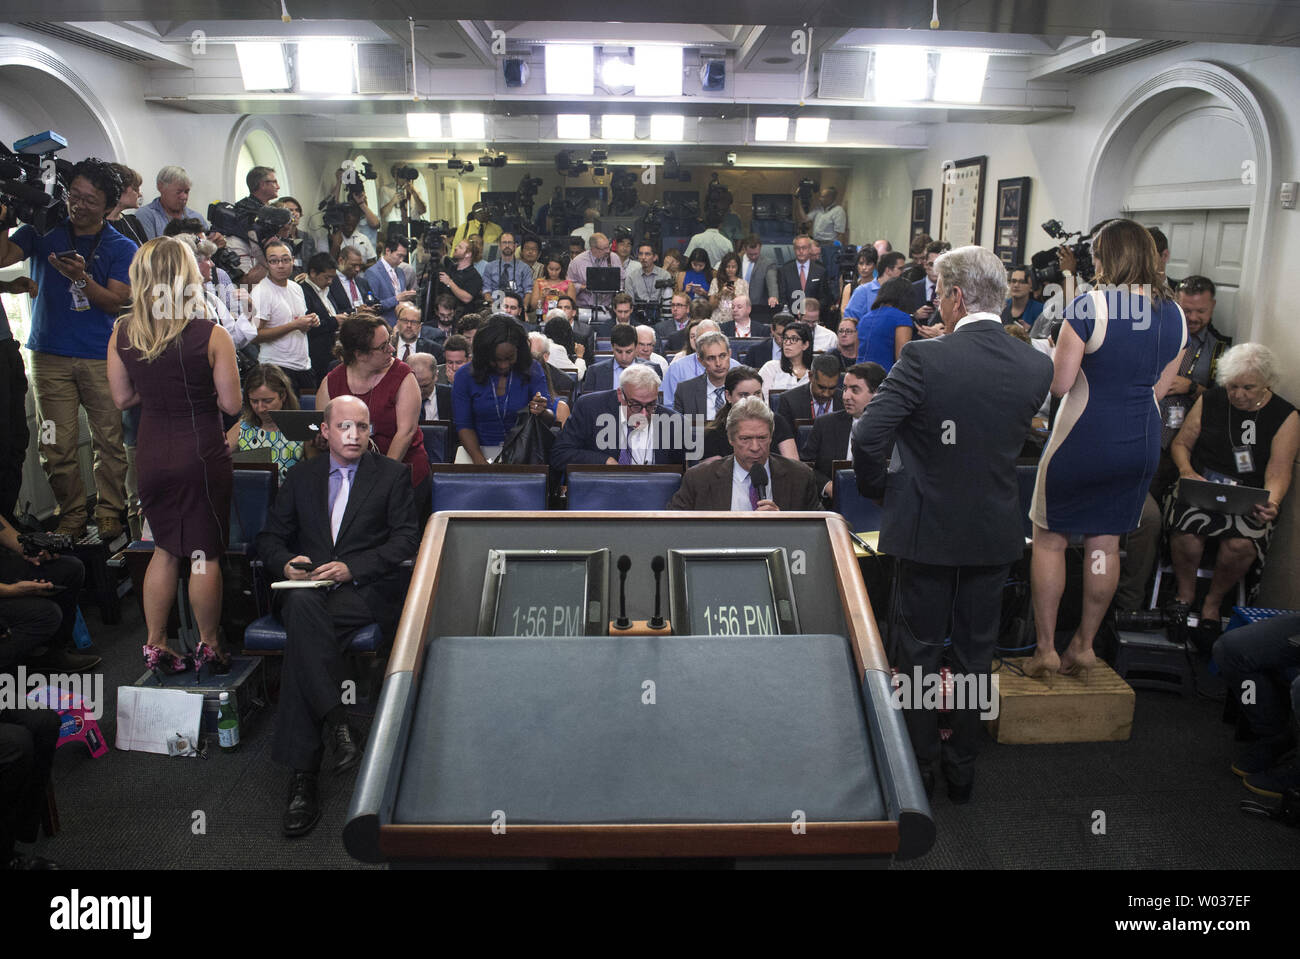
x,y
960,794
347,753
1274,782
1260,756
303,811
57,659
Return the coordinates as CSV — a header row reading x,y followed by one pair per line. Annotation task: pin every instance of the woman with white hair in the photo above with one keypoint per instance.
x,y
1242,433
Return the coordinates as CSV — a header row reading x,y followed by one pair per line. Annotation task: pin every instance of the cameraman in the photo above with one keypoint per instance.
x,y
479,224
457,277
829,224
651,286
80,269
38,605
401,203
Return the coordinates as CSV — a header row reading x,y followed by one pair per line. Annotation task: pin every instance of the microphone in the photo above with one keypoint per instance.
x,y
624,564
758,477
657,565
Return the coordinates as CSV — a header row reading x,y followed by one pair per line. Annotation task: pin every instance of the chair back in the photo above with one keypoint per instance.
x,y
437,440
862,514
594,487
307,401
491,487
254,491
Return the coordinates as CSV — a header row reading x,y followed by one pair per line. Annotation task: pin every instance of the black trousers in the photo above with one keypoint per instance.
x,y
34,621
27,739
1263,654
304,381
935,603
13,426
320,623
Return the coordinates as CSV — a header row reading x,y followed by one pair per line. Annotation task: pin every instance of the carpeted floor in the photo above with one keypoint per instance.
x,y
1167,796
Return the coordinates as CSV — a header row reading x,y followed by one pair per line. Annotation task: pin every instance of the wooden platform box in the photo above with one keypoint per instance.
x,y
1068,712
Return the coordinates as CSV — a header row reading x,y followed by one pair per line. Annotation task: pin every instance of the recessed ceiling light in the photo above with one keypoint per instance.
x,y
778,60
449,55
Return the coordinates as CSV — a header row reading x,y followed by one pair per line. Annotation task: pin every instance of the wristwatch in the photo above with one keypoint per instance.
x,y
80,284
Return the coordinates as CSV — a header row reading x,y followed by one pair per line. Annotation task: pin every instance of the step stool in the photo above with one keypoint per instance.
x,y
1153,661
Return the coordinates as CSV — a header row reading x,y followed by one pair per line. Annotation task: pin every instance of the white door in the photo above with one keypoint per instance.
x,y
1206,243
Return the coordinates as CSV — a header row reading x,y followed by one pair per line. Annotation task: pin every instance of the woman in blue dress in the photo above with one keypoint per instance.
x,y
490,391
884,331
1116,356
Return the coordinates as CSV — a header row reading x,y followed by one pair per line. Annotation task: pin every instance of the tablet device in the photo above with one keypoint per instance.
x,y
300,425
1220,497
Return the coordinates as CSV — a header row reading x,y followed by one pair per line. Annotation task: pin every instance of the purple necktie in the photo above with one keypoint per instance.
x,y
625,456
753,496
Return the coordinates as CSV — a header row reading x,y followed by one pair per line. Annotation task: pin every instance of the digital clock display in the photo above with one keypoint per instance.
x,y
545,593
738,592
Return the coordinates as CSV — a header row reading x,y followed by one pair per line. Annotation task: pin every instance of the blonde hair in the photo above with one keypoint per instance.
x,y
166,292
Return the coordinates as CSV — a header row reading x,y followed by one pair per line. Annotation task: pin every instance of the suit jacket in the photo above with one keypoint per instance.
x,y
796,404
762,279
321,339
829,442
760,353
584,334
600,376
592,435
692,396
757,331
708,486
818,286
423,344
918,299
379,283
377,534
339,294
443,392
958,408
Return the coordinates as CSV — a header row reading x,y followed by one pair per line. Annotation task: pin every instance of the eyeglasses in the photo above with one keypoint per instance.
x,y
83,199
279,260
634,407
792,338
386,348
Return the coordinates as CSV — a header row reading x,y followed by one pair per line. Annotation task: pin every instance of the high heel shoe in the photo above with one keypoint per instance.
x,y
206,655
1041,667
162,662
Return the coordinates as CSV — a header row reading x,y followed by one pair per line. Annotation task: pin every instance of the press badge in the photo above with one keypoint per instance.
x,y
79,301
1245,459
1174,416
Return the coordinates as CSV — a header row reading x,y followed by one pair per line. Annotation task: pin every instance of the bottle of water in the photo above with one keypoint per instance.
x,y
227,725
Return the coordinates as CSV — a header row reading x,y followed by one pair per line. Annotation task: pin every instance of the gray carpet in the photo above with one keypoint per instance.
x,y
1167,795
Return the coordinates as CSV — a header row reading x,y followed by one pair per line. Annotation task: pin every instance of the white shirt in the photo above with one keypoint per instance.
x,y
740,486
325,297
713,243
849,455
430,409
639,443
250,254
712,399
393,278
241,328
824,340
278,305
585,231
775,378
361,243
395,214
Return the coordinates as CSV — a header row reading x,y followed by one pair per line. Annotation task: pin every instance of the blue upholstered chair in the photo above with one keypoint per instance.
x,y
862,514
622,487
491,487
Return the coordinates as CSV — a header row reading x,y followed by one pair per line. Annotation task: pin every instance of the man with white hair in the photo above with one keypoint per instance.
x,y
957,409
645,348
625,426
752,478
173,185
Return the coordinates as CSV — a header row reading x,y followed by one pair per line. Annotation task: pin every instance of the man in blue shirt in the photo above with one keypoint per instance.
x,y
80,269
889,266
173,185
507,272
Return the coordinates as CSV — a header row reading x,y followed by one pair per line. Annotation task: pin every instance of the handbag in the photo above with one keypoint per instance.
x,y
530,441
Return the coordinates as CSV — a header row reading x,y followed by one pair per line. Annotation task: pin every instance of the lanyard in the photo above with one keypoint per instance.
x,y
1187,373
502,402
90,257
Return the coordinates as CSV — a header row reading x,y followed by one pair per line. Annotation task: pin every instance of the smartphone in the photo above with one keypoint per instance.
x,y
66,254
305,567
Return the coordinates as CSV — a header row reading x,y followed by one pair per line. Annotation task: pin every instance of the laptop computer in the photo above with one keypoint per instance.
x,y
604,279
1220,497
300,425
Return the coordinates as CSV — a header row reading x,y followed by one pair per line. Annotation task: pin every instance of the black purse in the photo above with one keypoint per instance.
x,y
529,442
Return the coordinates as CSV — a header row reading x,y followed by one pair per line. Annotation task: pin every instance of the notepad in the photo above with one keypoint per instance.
x,y
302,583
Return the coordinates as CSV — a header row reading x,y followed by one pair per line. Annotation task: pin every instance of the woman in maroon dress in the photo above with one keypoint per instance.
x,y
387,386
169,357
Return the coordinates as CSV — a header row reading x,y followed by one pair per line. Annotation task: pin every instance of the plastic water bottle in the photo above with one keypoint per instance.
x,y
227,725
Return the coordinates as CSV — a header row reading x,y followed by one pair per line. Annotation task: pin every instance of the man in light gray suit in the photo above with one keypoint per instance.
x,y
759,271
958,407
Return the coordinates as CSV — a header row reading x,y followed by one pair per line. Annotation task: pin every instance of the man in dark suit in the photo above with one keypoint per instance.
x,y
409,337
758,270
626,426
673,331
584,334
770,348
603,376
829,440
804,276
727,483
316,288
350,517
704,395
819,396
958,409
740,324
435,397
350,289
924,302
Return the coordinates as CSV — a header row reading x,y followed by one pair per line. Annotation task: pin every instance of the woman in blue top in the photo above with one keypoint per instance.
x,y
1021,307
696,280
1116,356
489,392
884,331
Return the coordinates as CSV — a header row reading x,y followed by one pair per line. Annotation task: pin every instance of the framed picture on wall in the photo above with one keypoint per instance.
x,y
1012,219
963,201
921,200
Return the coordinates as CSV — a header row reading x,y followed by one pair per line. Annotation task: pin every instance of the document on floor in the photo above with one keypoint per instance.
x,y
147,717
